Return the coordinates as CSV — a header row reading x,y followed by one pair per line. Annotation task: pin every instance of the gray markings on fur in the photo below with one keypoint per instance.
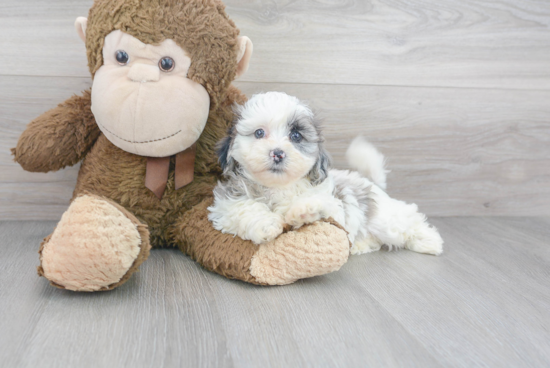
x,y
223,147
360,190
312,145
310,131
319,171
238,185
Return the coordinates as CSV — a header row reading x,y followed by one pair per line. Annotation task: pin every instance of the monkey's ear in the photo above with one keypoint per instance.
x,y
244,54
80,25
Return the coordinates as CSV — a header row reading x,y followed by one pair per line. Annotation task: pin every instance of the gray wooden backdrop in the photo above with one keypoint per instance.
x,y
455,93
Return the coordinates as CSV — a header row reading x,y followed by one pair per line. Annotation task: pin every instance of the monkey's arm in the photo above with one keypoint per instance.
x,y
313,250
60,137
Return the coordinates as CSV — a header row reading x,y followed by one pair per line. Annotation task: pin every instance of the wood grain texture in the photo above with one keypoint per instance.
x,y
451,151
484,269
484,302
487,44
39,38
482,44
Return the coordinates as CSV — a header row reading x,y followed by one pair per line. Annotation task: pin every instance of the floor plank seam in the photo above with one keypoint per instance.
x,y
373,85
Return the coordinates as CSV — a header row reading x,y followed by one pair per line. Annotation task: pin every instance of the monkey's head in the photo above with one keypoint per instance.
x,y
158,68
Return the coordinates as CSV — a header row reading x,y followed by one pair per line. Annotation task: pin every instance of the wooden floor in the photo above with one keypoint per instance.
x,y
485,302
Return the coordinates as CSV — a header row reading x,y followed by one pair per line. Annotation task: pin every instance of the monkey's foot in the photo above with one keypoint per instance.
x,y
313,250
97,245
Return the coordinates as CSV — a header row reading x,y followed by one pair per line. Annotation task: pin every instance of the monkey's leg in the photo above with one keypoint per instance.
x,y
59,137
312,250
97,245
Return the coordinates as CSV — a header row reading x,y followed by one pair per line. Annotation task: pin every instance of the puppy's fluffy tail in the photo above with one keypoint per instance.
x,y
363,157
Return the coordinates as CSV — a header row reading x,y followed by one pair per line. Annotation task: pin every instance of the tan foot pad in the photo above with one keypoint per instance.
x,y
97,245
312,250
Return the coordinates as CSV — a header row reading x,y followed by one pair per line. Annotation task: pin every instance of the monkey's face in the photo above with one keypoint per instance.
x,y
142,99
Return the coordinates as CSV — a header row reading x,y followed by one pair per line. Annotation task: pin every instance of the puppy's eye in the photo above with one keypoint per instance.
x,y
259,134
167,64
122,57
296,137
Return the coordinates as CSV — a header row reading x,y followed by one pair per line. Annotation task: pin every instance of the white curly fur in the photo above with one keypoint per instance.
x,y
261,195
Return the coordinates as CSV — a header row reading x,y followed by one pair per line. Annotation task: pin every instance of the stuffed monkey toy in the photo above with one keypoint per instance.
x,y
146,133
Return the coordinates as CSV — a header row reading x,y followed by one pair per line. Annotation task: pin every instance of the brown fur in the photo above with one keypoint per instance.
x,y
225,254
67,134
113,173
58,138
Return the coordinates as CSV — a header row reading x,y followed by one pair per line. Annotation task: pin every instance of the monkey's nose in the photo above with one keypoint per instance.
x,y
144,73
277,155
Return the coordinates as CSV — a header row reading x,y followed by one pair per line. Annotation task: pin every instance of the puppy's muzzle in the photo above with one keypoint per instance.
x,y
277,155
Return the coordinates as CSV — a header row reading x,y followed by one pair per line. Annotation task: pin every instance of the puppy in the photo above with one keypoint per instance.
x,y
278,172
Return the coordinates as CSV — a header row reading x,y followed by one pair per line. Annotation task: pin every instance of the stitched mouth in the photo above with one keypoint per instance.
x,y
138,142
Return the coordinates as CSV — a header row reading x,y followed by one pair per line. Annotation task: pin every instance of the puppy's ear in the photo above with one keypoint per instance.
x,y
223,147
319,171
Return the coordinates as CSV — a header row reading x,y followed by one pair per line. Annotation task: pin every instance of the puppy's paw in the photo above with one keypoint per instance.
x,y
427,240
304,212
266,230
367,244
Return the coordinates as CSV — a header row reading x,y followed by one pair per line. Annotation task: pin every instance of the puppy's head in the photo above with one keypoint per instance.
x,y
275,141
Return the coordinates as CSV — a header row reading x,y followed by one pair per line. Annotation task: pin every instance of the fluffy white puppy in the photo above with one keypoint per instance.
x,y
278,173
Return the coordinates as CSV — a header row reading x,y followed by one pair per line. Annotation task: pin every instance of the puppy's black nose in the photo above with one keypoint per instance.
x,y
277,155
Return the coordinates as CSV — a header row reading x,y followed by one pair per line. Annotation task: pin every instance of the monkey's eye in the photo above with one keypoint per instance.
x,y
259,134
296,137
167,64
122,57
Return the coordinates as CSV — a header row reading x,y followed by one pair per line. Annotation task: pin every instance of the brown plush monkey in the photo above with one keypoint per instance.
x,y
146,132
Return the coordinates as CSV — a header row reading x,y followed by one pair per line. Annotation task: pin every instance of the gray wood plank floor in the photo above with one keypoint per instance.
x,y
484,302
